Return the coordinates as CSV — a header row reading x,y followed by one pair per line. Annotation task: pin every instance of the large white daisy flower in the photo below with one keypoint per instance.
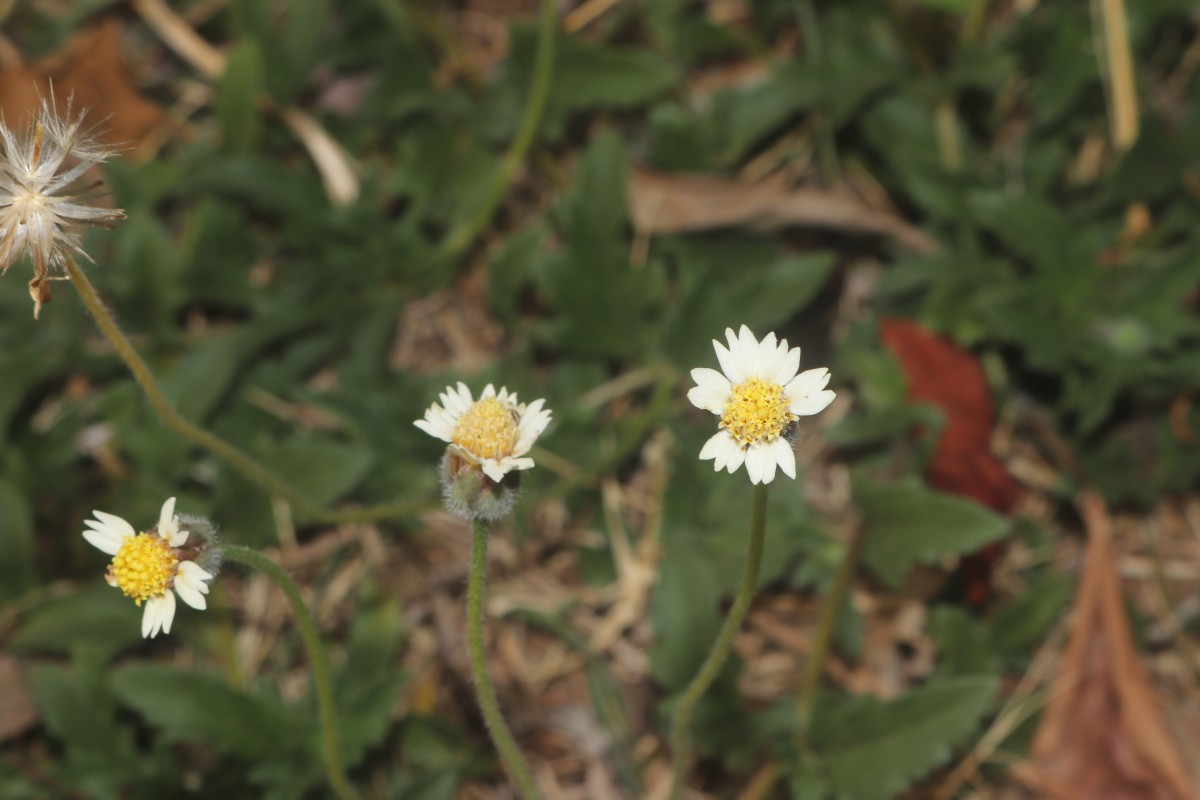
x,y
494,432
758,398
147,566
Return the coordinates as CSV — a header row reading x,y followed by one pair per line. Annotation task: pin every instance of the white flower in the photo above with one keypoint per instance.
x,y
147,566
758,399
494,432
39,212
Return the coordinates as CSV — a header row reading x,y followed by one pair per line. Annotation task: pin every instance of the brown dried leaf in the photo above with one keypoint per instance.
x,y
661,203
1103,733
91,67
17,710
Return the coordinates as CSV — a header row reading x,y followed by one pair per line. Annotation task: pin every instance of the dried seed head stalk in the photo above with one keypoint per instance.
x,y
42,204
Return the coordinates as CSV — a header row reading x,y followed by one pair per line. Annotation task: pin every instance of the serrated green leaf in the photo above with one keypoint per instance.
x,y
873,750
908,524
190,706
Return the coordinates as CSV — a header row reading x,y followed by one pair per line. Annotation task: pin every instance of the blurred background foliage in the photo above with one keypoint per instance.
x,y
312,332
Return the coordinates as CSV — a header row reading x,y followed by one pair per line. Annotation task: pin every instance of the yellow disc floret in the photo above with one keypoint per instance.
x,y
143,567
488,429
756,411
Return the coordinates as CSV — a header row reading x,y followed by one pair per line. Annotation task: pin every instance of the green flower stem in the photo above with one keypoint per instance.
x,y
461,237
682,720
330,738
242,462
831,606
484,690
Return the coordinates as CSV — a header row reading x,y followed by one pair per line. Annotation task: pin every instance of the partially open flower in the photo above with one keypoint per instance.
x,y
489,438
41,205
154,566
758,398
494,432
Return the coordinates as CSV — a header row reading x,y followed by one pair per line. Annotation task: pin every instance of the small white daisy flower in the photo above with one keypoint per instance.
x,y
40,212
147,566
494,432
758,399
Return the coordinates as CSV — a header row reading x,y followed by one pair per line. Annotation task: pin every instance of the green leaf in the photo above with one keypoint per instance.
x,y
607,306
589,76
368,684
761,284
238,94
198,380
752,114
79,710
964,644
686,603
907,523
191,706
1020,625
873,750
322,468
16,542
97,616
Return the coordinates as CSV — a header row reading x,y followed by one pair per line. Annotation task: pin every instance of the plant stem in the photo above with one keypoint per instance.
x,y
330,739
245,464
682,719
831,606
461,237
485,692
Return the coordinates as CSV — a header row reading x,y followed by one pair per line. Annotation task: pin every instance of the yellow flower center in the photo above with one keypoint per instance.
x,y
488,429
756,411
143,567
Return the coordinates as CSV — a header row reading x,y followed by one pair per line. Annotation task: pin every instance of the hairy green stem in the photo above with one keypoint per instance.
x,y
236,458
682,720
323,687
485,692
461,237
831,607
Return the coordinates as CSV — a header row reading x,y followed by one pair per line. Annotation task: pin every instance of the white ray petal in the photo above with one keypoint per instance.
x,y
784,456
116,523
105,540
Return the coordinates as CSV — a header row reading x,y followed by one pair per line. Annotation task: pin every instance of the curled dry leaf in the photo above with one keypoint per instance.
x,y
661,203
946,376
91,68
941,374
1103,733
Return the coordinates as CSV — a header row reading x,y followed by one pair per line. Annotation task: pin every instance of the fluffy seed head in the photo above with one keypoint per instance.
x,y
42,205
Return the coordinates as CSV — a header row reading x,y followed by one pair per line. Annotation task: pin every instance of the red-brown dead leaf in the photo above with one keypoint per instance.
x,y
661,203
1102,734
946,376
91,68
